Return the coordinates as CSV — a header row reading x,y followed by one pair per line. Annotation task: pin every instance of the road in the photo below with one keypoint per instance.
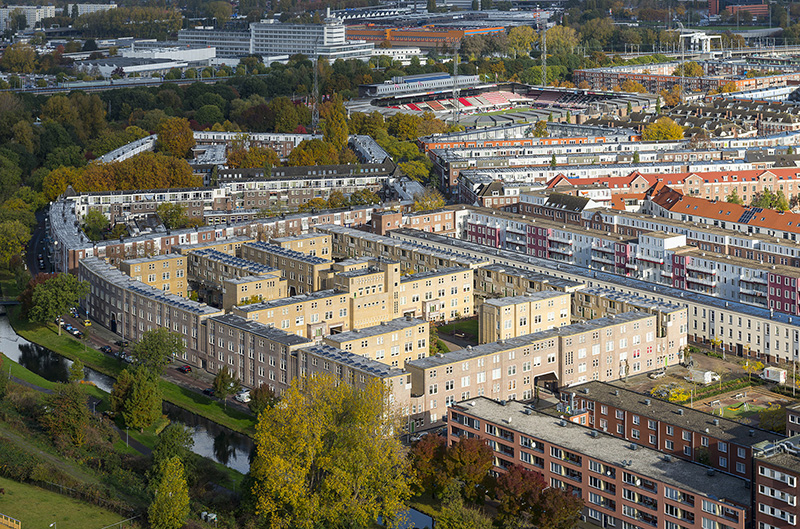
x,y
38,245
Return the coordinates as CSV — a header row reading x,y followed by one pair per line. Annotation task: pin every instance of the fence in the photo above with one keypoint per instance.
x,y
93,498
9,522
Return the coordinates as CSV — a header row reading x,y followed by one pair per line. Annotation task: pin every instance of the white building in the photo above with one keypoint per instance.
x,y
85,9
403,55
272,38
33,14
193,56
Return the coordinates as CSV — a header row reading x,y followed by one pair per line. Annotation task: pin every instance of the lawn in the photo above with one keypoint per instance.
x,y
68,346
468,327
742,411
38,508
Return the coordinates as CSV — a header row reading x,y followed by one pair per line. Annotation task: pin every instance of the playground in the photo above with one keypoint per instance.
x,y
742,403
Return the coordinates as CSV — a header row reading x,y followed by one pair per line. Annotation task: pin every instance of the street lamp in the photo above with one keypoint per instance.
x,y
53,525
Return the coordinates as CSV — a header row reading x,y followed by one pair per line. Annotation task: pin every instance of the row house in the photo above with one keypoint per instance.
x,y
303,272
444,221
621,484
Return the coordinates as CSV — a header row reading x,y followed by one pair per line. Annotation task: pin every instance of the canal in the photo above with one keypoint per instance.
x,y
210,439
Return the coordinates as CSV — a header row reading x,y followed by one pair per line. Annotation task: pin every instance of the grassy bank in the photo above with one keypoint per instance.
x,y
36,507
68,346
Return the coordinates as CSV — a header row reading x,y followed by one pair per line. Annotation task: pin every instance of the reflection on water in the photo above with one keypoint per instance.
x,y
210,439
43,361
214,441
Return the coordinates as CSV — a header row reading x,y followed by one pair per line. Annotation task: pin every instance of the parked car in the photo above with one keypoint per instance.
x,y
243,396
657,374
106,349
87,322
208,392
418,436
185,369
122,343
76,333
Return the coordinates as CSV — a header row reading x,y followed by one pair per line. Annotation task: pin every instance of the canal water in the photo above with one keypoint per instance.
x,y
210,439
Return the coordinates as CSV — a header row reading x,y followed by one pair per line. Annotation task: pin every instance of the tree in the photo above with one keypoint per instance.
x,y
208,115
170,508
456,515
768,200
337,200
752,366
329,453
172,215
521,40
67,418
636,157
540,129
518,492
19,58
734,198
55,296
427,460
156,349
225,384
252,158
663,129
262,398
334,129
14,236
689,69
561,40
175,137
137,397
428,200
313,152
174,441
558,509
469,461
76,371
364,197
553,161
95,224
415,169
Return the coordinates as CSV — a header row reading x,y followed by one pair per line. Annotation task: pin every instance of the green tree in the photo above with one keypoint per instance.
x,y
337,200
3,381
522,39
174,441
734,198
225,384
364,197
636,157
175,137
329,453
428,200
172,215
19,58
208,115
55,296
752,366
95,224
553,161
170,508
67,417
663,129
334,130
137,397
76,371
456,515
262,398
14,235
156,350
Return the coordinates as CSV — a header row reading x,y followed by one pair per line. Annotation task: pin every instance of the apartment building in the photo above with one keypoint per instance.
x,y
164,272
792,420
777,469
444,221
504,318
313,244
393,342
511,369
494,280
231,246
130,308
349,242
83,9
252,289
33,15
255,353
744,329
681,432
622,484
359,371
437,295
209,269
302,271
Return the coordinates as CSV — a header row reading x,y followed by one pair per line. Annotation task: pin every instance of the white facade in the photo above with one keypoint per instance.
x,y
190,55
403,55
85,9
227,43
328,41
33,14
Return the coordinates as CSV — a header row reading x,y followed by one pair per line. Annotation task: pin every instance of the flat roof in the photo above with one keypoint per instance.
x,y
396,324
259,329
784,453
357,362
286,252
631,299
692,419
520,341
264,305
160,257
435,273
525,298
605,448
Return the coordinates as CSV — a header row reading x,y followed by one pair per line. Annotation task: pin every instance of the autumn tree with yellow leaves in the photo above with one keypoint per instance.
x,y
329,452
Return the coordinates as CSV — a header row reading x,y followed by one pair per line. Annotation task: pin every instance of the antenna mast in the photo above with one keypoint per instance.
x,y
315,106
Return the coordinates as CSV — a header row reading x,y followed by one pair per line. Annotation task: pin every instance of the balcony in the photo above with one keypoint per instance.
x,y
560,238
602,259
753,292
753,279
666,273
603,249
632,266
649,259
702,281
564,251
701,270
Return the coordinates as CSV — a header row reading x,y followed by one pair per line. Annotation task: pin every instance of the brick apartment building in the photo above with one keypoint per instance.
x,y
313,244
777,470
676,430
621,484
